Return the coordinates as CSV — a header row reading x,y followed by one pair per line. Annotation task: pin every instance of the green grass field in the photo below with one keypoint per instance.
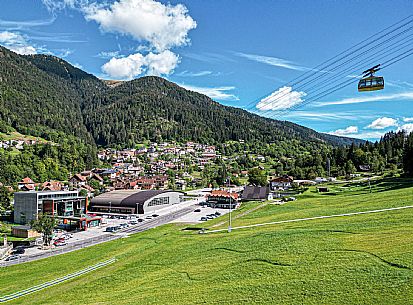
x,y
363,259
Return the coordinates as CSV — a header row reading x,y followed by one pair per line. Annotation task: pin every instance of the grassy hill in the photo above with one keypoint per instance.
x,y
363,259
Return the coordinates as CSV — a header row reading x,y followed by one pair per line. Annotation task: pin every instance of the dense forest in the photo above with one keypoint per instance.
x,y
44,96
155,109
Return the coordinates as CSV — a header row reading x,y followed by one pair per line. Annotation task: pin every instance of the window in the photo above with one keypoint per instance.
x,y
158,201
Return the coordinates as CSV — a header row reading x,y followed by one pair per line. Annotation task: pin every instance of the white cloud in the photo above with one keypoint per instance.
x,y
108,54
371,135
407,120
367,99
351,130
217,93
283,98
382,123
161,64
163,26
328,116
273,61
11,24
406,127
193,74
136,64
124,68
16,42
56,5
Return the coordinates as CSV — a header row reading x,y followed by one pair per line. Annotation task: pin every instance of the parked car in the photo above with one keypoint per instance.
x,y
209,217
140,219
60,244
217,213
155,215
197,210
148,217
204,219
110,229
18,250
133,222
124,225
12,258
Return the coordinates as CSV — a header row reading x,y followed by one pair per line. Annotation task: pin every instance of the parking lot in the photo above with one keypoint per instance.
x,y
131,224
195,217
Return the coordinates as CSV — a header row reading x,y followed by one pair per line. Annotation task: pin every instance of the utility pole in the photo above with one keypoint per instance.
x,y
230,207
369,185
328,168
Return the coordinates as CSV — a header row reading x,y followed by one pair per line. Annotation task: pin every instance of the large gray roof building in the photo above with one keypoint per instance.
x,y
134,202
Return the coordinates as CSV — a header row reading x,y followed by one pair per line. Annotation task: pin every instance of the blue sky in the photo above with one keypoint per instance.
x,y
237,52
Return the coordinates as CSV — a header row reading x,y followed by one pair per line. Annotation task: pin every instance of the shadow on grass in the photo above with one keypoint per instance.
x,y
391,264
229,250
266,261
389,184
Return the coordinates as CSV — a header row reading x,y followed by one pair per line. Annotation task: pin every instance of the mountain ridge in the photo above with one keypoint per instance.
x,y
59,96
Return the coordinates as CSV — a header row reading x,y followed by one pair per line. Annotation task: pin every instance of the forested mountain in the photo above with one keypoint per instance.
x,y
41,93
44,96
156,109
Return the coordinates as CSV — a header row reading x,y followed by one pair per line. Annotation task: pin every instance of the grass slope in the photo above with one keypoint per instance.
x,y
365,259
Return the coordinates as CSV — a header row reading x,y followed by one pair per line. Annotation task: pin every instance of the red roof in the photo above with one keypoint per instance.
x,y
27,180
52,185
88,188
97,177
78,177
220,193
283,179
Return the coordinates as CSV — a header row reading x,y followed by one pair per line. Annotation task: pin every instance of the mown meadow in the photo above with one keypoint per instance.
x,y
362,259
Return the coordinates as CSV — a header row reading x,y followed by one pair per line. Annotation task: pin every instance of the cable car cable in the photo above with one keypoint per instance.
x,y
343,52
342,64
396,47
329,91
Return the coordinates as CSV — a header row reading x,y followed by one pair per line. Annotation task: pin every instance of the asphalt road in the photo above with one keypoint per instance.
x,y
143,226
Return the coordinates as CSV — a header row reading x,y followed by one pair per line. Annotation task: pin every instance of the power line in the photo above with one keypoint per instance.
x,y
345,84
324,65
338,77
356,67
398,46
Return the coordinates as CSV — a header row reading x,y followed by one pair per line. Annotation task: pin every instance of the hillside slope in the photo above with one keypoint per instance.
x,y
42,93
363,259
154,108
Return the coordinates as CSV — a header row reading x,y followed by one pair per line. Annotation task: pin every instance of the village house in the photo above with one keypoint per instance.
x,y
222,199
110,173
281,183
77,181
26,184
251,193
52,186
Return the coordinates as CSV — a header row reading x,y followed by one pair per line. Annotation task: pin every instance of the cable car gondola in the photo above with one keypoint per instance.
x,y
369,82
